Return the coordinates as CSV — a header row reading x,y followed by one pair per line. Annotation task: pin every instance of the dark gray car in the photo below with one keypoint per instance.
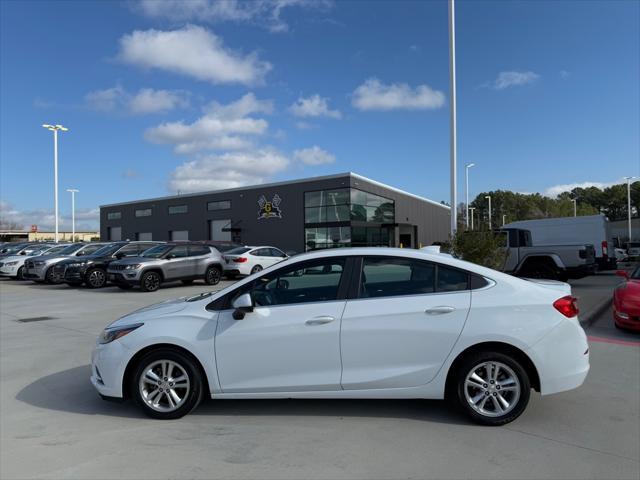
x,y
168,262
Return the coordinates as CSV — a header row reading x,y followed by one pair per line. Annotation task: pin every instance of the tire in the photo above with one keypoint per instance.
x,y
482,403
150,282
50,277
256,269
20,274
182,399
212,276
125,286
96,278
187,282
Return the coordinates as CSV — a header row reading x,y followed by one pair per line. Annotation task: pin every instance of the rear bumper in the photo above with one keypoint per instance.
x,y
561,357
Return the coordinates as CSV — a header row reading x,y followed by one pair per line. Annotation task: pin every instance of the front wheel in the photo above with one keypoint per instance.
x,y
167,384
212,276
51,277
20,274
150,282
96,278
492,388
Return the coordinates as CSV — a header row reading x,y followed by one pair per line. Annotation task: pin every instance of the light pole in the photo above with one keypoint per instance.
x,y
452,117
54,129
466,190
488,197
472,209
504,219
73,192
628,179
575,206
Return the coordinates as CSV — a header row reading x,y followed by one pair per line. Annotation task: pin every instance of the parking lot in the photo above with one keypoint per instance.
x,y
55,426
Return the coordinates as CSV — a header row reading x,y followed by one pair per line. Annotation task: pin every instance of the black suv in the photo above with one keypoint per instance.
x,y
92,269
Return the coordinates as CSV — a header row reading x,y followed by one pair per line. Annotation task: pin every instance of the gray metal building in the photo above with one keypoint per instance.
x,y
322,212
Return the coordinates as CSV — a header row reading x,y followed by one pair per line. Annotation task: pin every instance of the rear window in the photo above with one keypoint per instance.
x,y
237,251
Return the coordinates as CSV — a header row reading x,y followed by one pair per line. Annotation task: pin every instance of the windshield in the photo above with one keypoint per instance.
x,y
52,251
237,251
69,250
156,252
106,250
14,248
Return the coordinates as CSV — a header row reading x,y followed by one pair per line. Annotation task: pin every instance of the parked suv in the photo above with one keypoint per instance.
x,y
40,269
186,261
92,269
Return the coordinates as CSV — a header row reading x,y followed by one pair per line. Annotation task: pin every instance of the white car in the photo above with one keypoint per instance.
x,y
13,266
352,323
248,260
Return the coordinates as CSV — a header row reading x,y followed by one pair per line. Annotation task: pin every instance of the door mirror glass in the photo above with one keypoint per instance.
x,y
242,305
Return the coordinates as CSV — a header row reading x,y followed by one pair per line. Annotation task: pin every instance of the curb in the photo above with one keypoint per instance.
x,y
588,319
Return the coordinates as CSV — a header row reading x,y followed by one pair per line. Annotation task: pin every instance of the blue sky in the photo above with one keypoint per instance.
x,y
166,96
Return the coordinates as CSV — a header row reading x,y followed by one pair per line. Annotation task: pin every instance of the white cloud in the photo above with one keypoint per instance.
x,y
313,106
222,127
229,170
374,95
513,79
313,156
145,101
556,190
265,13
192,51
86,218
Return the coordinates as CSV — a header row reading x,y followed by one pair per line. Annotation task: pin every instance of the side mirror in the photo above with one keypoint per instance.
x,y
119,255
170,256
623,273
242,305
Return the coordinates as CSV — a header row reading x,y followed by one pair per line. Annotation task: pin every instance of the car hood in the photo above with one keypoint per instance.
x,y
162,309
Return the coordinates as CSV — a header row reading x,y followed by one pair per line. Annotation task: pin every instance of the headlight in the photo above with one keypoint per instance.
x,y
133,266
10,263
110,334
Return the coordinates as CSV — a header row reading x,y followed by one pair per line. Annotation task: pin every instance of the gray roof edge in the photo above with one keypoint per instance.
x,y
275,184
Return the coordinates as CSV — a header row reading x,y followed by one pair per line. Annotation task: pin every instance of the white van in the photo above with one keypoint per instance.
x,y
587,229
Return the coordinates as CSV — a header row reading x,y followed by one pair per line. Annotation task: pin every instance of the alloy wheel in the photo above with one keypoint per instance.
x,y
256,269
151,282
164,386
97,278
492,389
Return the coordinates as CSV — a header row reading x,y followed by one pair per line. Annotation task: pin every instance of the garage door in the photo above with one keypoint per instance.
x,y
180,235
216,232
144,236
115,234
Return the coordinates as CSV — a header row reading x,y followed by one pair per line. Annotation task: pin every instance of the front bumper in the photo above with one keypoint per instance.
x,y
127,277
35,273
561,357
108,363
632,322
70,274
9,271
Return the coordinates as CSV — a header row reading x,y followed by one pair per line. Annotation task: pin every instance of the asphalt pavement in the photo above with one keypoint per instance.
x,y
53,424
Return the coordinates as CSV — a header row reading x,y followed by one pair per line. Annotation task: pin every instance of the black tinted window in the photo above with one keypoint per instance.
x,y
276,253
196,250
315,281
451,279
387,277
477,281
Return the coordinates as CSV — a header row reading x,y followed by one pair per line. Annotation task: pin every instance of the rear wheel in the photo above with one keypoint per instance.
x,y
212,276
492,388
167,384
96,278
150,282
256,269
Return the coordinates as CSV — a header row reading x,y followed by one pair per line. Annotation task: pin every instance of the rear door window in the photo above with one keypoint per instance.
x,y
179,252
393,276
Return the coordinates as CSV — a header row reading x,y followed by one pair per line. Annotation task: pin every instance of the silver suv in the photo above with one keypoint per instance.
x,y
168,262
40,269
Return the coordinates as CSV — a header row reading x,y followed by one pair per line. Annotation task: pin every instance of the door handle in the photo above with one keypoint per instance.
x,y
319,321
439,310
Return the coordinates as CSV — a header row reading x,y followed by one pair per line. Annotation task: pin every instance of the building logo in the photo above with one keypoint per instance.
x,y
269,209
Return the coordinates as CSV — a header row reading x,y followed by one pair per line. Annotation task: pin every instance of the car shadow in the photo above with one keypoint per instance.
x,y
70,391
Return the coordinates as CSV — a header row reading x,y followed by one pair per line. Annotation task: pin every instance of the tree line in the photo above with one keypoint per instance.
x,y
611,201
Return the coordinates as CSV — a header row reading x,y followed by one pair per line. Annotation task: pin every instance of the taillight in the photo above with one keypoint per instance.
x,y
567,306
605,248
240,259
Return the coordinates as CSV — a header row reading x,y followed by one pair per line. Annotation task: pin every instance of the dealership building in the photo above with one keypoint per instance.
x,y
322,212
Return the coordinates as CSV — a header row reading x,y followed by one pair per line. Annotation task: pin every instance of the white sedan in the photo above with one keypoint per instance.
x,y
13,266
248,260
352,323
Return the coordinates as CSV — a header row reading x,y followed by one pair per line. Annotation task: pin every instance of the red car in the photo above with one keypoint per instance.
x,y
626,301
